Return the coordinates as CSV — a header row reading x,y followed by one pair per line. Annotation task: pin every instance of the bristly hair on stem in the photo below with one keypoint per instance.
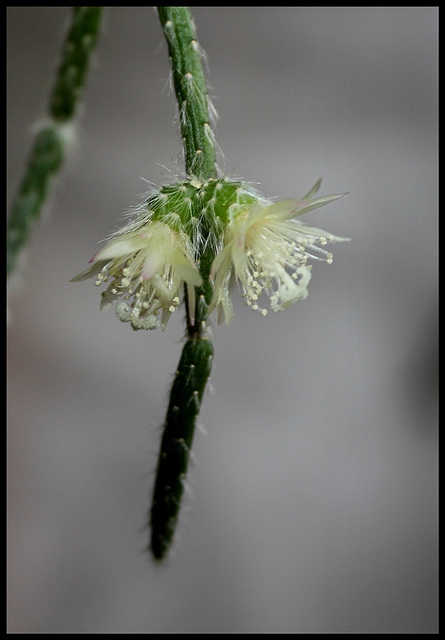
x,y
183,409
191,91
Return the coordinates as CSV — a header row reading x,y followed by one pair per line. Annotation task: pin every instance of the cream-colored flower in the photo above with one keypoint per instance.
x,y
146,268
267,250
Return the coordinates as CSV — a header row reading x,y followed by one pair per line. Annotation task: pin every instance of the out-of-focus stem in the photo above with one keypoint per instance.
x,y
48,151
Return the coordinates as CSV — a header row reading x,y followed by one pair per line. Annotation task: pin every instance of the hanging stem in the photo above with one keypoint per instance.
x,y
47,154
197,355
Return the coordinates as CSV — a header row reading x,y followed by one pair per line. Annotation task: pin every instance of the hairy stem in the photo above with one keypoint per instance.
x,y
191,91
197,355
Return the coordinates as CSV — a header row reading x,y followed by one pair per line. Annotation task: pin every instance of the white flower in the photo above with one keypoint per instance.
x,y
146,268
268,250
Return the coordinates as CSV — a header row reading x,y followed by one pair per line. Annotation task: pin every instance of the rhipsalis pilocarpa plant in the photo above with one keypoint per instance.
x,y
189,242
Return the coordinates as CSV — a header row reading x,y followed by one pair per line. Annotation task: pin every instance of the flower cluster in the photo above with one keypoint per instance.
x,y
254,241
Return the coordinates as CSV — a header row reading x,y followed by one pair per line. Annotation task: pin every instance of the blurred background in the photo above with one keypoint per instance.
x,y
312,501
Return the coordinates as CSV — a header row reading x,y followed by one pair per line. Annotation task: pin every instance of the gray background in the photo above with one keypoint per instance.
x,y
312,502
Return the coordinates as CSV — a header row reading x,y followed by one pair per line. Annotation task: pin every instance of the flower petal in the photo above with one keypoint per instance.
x,y
152,264
186,269
283,209
90,272
319,202
313,191
120,247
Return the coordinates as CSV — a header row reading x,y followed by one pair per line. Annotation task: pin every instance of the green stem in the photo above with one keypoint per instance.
x,y
76,56
183,409
48,151
191,92
197,355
